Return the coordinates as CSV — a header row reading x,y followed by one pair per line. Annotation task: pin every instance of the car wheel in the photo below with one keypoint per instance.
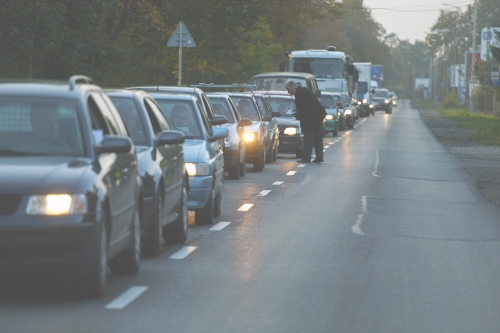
x,y
96,281
217,204
235,170
335,132
154,240
204,215
259,161
275,152
128,262
269,155
176,232
243,166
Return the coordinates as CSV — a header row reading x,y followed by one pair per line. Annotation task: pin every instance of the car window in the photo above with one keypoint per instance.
x,y
105,120
282,105
262,106
158,119
247,108
42,126
113,114
130,115
221,108
276,83
345,99
181,116
381,93
328,101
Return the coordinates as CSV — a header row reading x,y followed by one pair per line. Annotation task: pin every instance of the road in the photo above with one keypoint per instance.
x,y
389,234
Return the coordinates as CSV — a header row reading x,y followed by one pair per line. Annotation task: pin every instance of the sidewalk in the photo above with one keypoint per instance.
x,y
480,161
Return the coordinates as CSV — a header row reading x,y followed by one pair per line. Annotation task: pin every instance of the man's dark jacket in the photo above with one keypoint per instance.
x,y
309,109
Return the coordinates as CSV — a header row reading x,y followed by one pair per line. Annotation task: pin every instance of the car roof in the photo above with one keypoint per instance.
x,y
284,74
63,89
182,97
167,89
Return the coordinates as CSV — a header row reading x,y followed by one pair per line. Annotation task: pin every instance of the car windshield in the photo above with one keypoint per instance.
x,y
247,108
284,106
130,115
181,115
345,99
39,126
319,67
381,93
276,83
328,101
221,108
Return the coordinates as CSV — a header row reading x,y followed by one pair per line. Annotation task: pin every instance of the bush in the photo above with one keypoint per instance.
x,y
450,100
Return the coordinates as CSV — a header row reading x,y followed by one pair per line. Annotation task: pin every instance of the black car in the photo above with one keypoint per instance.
x,y
234,145
70,186
382,100
165,183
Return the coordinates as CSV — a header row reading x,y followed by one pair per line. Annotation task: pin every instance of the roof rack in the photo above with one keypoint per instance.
x,y
251,87
75,79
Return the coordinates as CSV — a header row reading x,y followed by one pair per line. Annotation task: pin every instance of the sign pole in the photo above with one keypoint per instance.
x,y
180,56
181,38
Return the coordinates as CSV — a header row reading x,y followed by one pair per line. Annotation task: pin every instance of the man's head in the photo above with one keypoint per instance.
x,y
179,117
291,87
243,106
45,120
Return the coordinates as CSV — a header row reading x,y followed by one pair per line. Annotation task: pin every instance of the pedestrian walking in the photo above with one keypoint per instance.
x,y
311,114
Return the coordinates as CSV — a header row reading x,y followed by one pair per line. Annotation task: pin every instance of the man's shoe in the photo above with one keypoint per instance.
x,y
318,161
304,161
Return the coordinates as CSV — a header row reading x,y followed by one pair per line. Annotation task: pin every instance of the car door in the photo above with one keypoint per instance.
x,y
270,122
240,129
170,158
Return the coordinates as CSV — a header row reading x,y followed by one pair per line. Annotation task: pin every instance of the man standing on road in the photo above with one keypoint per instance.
x,y
311,113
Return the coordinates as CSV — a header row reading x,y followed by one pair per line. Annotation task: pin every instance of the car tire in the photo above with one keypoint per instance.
x,y
204,216
95,283
128,262
217,204
176,232
269,155
243,166
235,170
335,132
275,152
259,161
154,242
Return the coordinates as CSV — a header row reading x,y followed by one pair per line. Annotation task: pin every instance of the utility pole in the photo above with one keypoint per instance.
x,y
473,58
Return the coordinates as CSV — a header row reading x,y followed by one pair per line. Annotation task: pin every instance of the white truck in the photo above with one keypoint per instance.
x,y
363,92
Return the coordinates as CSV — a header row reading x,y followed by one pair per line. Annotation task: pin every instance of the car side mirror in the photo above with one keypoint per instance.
x,y
219,133
245,122
114,144
170,138
276,114
218,120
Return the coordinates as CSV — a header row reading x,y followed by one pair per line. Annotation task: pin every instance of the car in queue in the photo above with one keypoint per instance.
x,y
278,80
165,184
203,153
394,98
334,120
70,186
273,132
382,100
291,138
255,134
349,110
234,145
366,106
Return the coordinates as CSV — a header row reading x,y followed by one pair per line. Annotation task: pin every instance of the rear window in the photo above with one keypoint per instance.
x,y
282,105
181,115
221,108
276,83
247,108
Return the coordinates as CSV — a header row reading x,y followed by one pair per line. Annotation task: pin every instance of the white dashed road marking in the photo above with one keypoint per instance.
x,y
291,173
264,193
245,207
278,183
219,226
183,253
126,298
301,165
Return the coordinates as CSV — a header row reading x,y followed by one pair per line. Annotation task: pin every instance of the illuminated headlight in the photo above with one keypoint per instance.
x,y
57,204
365,100
329,117
251,136
386,101
347,111
359,103
394,102
339,114
371,105
290,131
197,169
227,141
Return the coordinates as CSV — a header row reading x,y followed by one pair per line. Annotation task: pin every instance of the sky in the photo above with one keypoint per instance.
x,y
410,19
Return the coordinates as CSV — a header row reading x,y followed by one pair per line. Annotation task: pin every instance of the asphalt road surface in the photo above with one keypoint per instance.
x,y
389,234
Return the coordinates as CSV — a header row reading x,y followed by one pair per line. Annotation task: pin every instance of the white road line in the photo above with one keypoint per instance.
x,y
291,173
337,140
326,147
183,253
375,171
331,143
301,166
245,207
264,193
278,183
324,150
126,298
357,227
219,226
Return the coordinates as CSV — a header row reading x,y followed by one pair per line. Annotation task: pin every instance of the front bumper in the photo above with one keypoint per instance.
x,y
200,188
331,125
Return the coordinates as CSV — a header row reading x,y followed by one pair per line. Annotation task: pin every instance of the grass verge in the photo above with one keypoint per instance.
x,y
486,128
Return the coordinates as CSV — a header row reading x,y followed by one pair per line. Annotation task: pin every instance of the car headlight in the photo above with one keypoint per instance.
x,y
329,117
57,204
347,111
386,101
359,103
197,169
290,131
250,136
371,105
365,100
339,114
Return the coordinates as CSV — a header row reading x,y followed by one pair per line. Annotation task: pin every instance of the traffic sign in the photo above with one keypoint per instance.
x,y
495,78
181,37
